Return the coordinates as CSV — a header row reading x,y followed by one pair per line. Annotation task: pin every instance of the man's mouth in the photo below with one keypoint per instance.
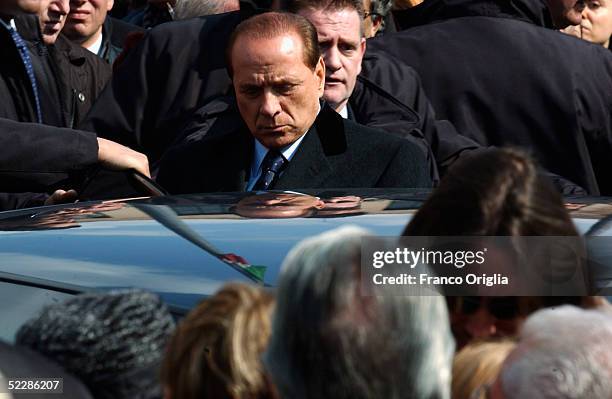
x,y
272,128
333,81
79,14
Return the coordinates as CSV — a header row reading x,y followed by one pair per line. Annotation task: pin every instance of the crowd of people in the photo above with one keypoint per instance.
x,y
212,96
321,333
368,94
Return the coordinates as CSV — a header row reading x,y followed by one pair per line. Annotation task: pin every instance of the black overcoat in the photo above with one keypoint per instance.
x,y
500,74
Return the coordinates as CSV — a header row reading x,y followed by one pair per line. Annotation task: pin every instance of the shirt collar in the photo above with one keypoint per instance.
x,y
261,151
95,48
344,112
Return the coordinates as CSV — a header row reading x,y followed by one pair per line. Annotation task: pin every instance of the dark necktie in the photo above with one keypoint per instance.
x,y
273,163
27,63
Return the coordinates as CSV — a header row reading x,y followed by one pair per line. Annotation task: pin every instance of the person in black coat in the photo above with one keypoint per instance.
x,y
114,33
176,69
335,153
89,25
503,77
145,109
37,153
288,141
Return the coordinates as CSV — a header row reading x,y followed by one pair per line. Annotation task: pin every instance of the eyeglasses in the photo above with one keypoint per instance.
x,y
503,308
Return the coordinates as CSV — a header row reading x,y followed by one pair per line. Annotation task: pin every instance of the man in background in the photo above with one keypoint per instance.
x,y
89,25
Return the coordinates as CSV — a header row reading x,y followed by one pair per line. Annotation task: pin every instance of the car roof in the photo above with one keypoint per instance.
x,y
185,247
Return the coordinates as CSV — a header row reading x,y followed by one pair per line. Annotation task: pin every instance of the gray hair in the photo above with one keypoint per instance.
x,y
329,340
562,353
185,9
113,341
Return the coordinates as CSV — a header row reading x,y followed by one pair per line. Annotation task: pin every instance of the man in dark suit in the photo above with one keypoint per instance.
x,y
288,140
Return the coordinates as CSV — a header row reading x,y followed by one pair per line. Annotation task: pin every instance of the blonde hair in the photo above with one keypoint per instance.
x,y
477,365
215,351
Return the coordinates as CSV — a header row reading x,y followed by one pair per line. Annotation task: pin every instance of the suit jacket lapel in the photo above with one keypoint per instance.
x,y
242,159
232,160
310,166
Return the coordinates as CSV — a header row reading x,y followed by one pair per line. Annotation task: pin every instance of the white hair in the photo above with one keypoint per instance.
x,y
185,9
329,340
563,352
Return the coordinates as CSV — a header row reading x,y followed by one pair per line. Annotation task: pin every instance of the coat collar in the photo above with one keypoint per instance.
x,y
310,166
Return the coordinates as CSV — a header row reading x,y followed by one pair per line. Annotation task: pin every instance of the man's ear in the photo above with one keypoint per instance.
x,y
110,4
362,48
376,24
320,74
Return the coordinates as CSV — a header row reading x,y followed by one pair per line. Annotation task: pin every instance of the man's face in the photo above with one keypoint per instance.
x,y
277,93
52,20
277,205
342,47
86,18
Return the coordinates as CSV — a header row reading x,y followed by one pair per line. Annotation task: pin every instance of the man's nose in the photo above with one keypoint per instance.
x,y
481,324
270,105
332,59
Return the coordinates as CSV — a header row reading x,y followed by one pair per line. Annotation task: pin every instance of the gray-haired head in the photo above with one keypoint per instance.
x,y
562,353
330,341
185,9
112,341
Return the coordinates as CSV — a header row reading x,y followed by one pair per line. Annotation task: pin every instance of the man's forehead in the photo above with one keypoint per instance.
x,y
287,43
270,76
269,59
343,20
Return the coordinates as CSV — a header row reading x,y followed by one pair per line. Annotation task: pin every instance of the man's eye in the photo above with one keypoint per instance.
x,y
285,89
250,91
347,48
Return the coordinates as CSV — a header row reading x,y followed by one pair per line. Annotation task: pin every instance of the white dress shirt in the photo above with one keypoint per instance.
x,y
94,48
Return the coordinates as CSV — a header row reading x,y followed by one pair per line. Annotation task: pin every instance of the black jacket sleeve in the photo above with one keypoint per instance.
x,y
34,157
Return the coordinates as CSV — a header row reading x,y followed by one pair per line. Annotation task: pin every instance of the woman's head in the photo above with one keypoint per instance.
x,y
496,192
215,351
596,24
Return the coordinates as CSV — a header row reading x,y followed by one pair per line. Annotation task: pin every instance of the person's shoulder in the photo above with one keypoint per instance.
x,y
118,30
378,62
122,27
359,131
376,140
208,23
